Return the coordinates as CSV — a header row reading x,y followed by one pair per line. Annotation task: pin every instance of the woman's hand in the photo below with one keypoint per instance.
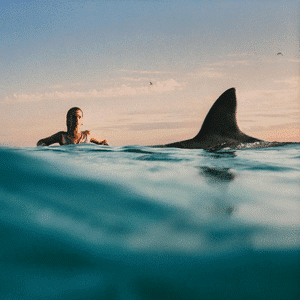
x,y
40,143
97,140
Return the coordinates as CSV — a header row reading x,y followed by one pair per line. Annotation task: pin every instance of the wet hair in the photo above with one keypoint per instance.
x,y
70,113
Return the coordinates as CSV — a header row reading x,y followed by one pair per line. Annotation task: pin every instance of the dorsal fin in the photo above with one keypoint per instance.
x,y
219,128
221,119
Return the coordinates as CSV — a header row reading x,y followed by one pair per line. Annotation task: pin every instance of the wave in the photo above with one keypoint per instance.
x,y
106,223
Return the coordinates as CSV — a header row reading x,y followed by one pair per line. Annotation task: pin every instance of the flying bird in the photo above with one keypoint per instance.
x,y
279,53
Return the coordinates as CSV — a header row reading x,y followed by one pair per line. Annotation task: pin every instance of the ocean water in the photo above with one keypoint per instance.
x,y
87,222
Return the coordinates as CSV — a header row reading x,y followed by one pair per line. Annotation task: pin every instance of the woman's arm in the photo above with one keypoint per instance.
x,y
55,138
96,139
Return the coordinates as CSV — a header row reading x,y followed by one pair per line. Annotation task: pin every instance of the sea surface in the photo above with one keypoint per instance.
x,y
87,222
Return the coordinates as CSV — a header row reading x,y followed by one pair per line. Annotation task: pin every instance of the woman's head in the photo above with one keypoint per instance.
x,y
74,118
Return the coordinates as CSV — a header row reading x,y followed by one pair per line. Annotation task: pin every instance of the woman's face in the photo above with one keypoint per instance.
x,y
77,118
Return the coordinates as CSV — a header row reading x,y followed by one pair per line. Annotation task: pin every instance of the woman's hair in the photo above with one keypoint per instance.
x,y
70,113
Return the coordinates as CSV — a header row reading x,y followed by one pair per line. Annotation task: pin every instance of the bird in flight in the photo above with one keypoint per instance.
x,y
279,53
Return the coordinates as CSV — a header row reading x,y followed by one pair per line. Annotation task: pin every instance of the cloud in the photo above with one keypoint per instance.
x,y
282,126
207,73
124,90
239,54
134,79
294,60
76,84
166,86
230,63
292,81
286,95
57,86
141,126
145,72
160,125
293,114
160,112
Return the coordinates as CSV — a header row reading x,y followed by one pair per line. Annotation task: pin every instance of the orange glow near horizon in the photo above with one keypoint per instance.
x,y
280,135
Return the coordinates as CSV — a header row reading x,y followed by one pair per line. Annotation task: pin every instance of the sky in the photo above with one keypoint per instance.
x,y
102,55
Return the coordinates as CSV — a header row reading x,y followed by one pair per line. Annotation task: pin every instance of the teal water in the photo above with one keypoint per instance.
x,y
96,222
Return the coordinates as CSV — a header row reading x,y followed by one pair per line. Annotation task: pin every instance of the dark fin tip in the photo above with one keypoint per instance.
x,y
221,118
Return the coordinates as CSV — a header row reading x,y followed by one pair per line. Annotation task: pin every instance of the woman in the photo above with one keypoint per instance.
x,y
73,135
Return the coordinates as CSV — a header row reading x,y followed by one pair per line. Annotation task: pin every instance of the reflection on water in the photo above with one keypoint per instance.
x,y
212,175
219,179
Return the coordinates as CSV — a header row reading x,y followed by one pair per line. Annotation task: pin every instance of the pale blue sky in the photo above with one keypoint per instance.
x,y
101,56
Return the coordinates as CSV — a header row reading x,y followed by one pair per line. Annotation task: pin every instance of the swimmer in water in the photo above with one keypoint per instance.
x,y
73,135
